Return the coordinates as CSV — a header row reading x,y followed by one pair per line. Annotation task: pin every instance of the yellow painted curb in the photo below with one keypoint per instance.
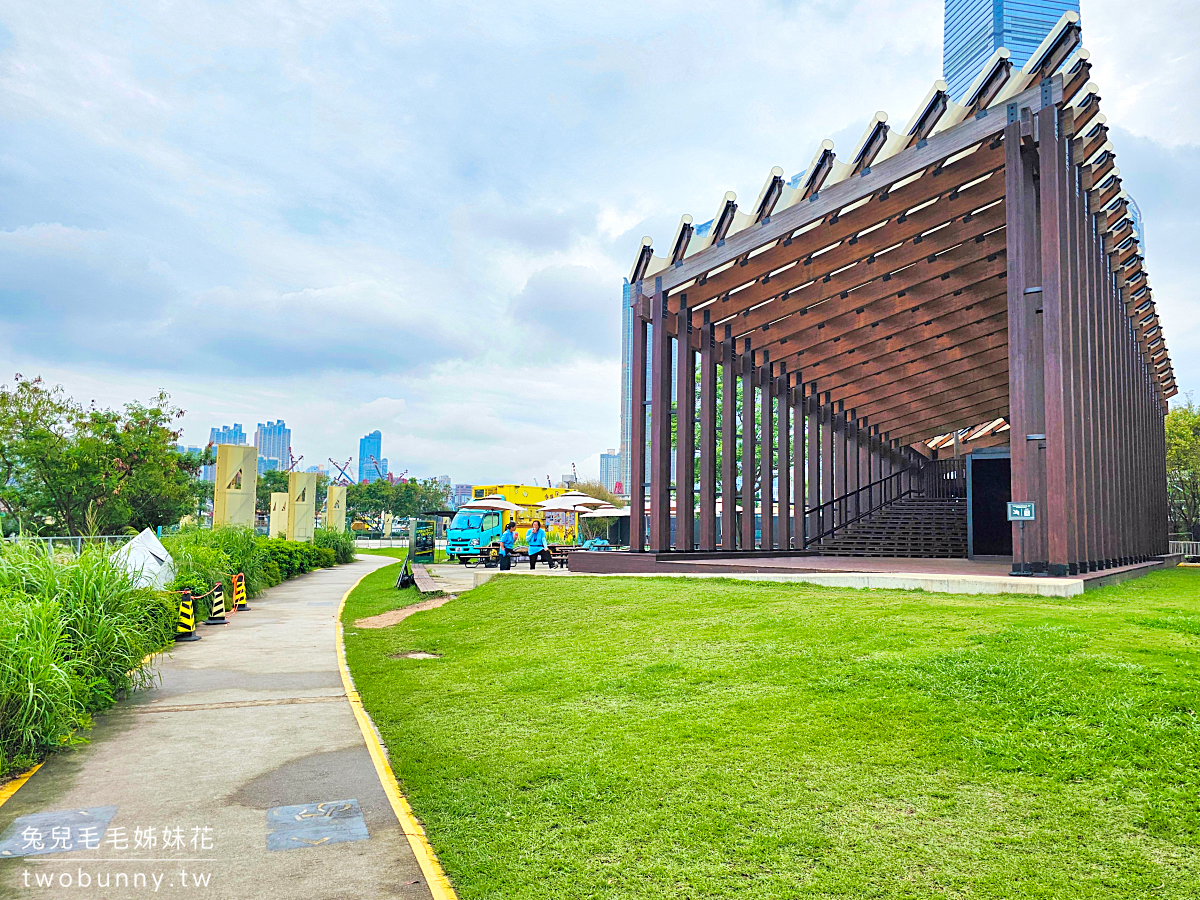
x,y
435,877
13,786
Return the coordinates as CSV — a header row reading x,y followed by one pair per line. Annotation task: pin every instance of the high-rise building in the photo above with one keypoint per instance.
x,y
462,494
371,447
267,465
975,29
610,471
226,434
274,441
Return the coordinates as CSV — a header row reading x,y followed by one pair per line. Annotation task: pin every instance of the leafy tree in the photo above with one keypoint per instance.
x,y
69,468
590,528
1183,467
404,498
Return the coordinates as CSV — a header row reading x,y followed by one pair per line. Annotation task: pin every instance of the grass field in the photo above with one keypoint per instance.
x,y
655,738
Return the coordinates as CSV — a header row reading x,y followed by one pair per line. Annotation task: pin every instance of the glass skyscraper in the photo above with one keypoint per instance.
x,y
371,445
975,29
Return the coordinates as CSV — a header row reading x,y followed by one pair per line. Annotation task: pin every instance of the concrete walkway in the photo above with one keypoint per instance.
x,y
251,736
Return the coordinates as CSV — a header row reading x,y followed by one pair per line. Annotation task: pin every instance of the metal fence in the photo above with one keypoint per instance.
x,y
1187,548
73,543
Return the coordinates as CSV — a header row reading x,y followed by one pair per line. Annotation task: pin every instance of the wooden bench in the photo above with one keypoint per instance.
x,y
425,584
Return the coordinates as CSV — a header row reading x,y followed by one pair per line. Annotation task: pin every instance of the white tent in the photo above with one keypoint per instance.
x,y
148,559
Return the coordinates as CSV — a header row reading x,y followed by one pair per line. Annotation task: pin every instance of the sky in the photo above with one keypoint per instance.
x,y
417,217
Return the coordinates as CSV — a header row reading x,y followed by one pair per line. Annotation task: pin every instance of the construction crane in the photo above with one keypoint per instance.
x,y
295,461
575,474
387,476
342,471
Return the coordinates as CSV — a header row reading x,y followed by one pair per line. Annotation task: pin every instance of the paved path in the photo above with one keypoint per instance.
x,y
251,718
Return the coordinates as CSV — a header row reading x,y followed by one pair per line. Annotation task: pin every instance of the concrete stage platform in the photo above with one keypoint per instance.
x,y
990,575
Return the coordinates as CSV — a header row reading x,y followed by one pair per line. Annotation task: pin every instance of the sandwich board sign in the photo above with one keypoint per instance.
x,y
1020,512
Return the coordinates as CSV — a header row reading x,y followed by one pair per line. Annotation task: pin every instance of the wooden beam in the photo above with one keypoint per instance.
x,y
915,159
876,277
952,202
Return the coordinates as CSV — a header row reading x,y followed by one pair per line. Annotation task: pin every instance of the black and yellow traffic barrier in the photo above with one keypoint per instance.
x,y
239,592
216,615
185,630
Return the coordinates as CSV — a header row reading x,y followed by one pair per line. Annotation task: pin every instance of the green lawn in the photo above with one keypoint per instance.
x,y
662,738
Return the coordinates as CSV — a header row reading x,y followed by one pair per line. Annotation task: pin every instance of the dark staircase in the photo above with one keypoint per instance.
x,y
914,526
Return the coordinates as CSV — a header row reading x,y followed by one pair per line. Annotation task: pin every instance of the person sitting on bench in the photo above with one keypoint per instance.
x,y
508,542
535,538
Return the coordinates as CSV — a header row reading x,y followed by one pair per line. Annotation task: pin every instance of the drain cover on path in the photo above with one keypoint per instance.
x,y
62,831
315,825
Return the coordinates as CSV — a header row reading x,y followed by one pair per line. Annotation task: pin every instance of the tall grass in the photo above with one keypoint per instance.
x,y
340,542
74,636
207,556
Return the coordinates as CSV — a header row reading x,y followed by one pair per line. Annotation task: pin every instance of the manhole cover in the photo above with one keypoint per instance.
x,y
417,654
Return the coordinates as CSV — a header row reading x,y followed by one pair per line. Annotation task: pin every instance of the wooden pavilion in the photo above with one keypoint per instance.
x,y
957,311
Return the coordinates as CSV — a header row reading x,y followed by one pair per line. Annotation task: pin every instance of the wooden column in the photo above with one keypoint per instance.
x,y
766,452
812,406
841,481
1024,341
1056,339
828,451
708,435
1079,386
748,441
637,430
783,529
729,370
685,435
660,423
1089,411
798,462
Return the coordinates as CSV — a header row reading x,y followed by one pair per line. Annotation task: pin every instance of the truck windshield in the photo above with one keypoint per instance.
x,y
467,520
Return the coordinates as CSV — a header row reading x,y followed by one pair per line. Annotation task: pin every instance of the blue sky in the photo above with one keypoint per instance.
x,y
417,217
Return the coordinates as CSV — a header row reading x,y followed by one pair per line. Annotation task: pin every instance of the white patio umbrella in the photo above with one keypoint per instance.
x,y
607,513
493,502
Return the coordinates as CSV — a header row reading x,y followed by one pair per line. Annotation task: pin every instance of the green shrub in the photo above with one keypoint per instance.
x,y
341,542
75,634
295,558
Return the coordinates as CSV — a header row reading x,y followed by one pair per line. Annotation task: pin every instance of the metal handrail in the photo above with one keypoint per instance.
x,y
888,489
1187,548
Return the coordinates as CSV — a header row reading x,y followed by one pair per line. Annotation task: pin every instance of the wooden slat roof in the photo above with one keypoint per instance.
x,y
882,278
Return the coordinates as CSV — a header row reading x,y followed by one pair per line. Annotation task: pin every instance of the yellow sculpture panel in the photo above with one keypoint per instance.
x,y
233,494
302,505
279,515
335,507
